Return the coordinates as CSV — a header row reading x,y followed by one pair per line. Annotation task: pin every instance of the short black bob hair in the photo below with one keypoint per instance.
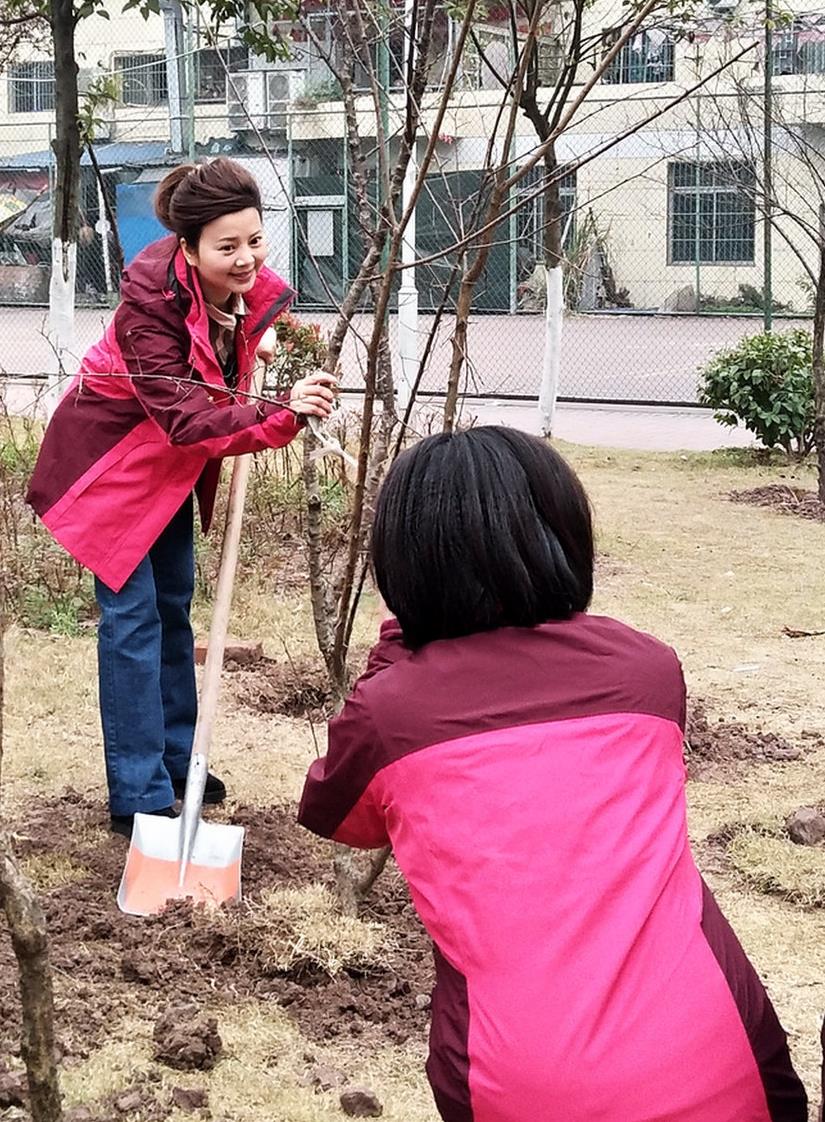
x,y
481,529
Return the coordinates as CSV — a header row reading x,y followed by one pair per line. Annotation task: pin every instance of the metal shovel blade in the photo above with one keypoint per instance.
x,y
181,858
152,877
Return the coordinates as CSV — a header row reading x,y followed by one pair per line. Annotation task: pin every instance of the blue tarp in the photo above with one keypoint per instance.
x,y
136,220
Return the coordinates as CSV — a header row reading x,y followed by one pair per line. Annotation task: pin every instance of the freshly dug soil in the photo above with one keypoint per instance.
x,y
785,499
108,965
187,1039
715,747
295,689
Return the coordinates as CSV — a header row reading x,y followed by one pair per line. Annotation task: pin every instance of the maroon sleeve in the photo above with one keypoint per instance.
x,y
153,342
340,801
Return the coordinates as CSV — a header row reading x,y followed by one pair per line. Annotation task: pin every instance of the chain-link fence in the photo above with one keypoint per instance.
x,y
661,218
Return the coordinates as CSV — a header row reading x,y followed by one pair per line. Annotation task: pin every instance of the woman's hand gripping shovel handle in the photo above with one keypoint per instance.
x,y
198,765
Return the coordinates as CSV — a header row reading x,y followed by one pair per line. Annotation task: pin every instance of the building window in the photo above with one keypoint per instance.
x,y
800,48
32,87
647,57
211,67
142,79
712,214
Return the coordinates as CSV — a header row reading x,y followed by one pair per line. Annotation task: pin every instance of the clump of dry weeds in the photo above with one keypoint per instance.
x,y
301,931
768,861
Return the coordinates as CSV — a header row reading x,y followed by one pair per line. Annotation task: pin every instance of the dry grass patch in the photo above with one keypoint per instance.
x,y
52,737
48,871
263,1077
772,863
110,1068
300,930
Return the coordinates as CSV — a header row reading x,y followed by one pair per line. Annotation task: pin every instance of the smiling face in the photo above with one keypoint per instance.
x,y
228,256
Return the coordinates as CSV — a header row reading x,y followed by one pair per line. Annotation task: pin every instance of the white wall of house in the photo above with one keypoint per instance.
x,y
628,190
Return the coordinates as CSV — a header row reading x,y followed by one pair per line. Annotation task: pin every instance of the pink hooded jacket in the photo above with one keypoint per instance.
x,y
149,416
531,783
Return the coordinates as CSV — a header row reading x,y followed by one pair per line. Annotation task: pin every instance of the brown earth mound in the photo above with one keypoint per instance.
x,y
108,965
295,689
715,746
187,1039
785,499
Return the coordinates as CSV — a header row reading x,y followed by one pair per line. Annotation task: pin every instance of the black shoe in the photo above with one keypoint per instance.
x,y
123,823
214,792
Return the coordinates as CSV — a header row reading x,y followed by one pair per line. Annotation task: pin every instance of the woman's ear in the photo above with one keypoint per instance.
x,y
189,254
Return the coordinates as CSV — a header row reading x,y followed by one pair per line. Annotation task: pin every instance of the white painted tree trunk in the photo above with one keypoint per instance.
x,y
61,320
551,362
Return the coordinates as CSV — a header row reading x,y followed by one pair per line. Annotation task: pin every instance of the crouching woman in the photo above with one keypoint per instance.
x,y
524,759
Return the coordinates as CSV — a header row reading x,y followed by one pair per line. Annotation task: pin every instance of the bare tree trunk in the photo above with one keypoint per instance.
x,y
2,673
552,238
554,287
458,343
27,926
347,875
320,591
818,354
466,290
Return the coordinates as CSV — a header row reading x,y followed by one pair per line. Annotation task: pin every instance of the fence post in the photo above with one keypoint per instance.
x,y
767,174
408,293
172,19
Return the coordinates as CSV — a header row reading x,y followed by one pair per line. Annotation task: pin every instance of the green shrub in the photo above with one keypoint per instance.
x,y
62,613
766,384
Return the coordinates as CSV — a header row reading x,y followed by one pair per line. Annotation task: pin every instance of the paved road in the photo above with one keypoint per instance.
x,y
642,428
605,357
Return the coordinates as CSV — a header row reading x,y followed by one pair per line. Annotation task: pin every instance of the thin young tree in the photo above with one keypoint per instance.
x,y
27,930
554,103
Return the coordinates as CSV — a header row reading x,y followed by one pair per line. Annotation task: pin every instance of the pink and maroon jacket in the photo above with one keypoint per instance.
x,y
531,784
149,416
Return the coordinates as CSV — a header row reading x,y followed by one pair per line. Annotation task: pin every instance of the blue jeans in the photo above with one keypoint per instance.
x,y
146,673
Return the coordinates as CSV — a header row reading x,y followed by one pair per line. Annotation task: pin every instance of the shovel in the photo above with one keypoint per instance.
x,y
185,857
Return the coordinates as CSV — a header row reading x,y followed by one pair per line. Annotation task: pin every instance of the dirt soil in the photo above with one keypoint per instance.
x,y
782,498
294,689
123,965
715,748
719,749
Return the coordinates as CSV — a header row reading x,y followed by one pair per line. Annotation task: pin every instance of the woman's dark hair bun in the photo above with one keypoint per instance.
x,y
166,189
192,195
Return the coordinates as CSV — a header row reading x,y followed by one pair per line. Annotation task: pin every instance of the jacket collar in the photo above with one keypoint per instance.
x,y
268,298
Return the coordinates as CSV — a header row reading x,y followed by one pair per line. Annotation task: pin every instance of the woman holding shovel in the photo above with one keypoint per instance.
x,y
524,760
156,405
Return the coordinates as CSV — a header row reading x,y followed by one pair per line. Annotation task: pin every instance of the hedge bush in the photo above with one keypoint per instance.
x,y
766,384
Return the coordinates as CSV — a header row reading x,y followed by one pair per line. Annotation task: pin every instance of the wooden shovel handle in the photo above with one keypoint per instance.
x,y
211,684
